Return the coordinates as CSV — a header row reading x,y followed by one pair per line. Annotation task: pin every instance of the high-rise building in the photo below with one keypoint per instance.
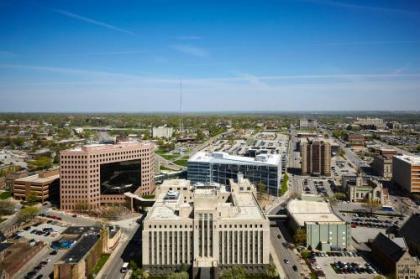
x,y
101,173
406,172
220,167
382,163
316,157
205,226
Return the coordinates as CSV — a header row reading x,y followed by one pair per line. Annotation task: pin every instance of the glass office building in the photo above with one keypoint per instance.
x,y
220,167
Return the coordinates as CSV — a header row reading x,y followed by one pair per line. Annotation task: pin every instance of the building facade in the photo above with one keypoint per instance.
x,y
382,162
406,172
407,267
220,167
205,226
392,255
316,158
42,187
80,259
324,230
370,123
101,173
162,132
305,123
364,189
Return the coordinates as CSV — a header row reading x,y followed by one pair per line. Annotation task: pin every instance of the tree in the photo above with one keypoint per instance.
x,y
261,190
271,271
235,272
81,206
178,275
27,213
32,198
7,207
40,163
340,196
372,205
284,184
300,236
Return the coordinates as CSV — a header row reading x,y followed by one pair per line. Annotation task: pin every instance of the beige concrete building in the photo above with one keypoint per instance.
x,y
205,226
407,267
81,259
98,174
316,157
393,256
406,172
42,186
324,230
363,189
382,162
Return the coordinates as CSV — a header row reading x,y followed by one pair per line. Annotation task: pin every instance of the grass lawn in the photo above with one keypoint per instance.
x,y
182,162
283,188
5,195
169,156
148,196
102,260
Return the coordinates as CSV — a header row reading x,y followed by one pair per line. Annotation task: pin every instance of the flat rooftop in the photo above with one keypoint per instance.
x,y
413,160
108,147
311,211
225,158
79,230
243,205
37,179
80,249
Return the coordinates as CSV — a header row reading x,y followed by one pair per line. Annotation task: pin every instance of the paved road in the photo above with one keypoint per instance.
x,y
43,255
128,249
279,235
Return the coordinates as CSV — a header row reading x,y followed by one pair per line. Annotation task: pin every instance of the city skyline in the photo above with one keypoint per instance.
x,y
257,56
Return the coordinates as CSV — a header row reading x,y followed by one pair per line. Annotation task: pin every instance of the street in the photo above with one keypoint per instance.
x,y
128,249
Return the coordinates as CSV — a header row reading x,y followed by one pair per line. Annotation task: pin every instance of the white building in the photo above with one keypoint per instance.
x,y
305,123
376,123
162,132
324,230
205,226
220,167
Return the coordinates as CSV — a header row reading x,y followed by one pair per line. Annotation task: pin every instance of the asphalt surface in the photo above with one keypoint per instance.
x,y
279,236
128,249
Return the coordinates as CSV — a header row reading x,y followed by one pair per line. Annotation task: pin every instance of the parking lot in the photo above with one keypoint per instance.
x,y
42,265
46,232
317,186
345,267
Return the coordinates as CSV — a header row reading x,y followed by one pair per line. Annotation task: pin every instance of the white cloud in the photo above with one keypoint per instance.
x,y
93,21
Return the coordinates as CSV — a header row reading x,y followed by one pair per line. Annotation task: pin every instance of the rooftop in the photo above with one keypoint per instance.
x,y
413,160
108,147
79,230
224,158
311,211
242,204
38,179
80,249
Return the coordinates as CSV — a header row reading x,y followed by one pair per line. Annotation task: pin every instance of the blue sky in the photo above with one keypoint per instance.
x,y
96,56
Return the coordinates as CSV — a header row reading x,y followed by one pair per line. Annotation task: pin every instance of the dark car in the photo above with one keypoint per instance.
x,y
294,267
279,236
53,252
